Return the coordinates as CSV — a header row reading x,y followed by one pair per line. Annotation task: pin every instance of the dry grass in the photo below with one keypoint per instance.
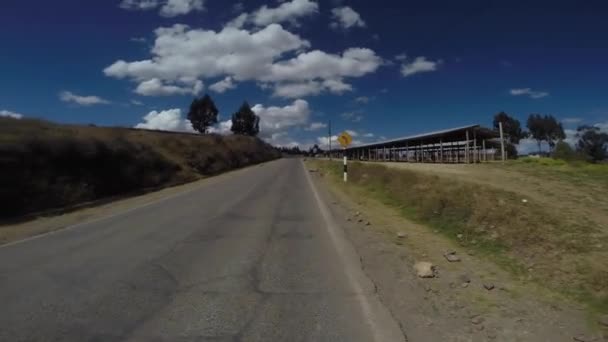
x,y
48,166
532,240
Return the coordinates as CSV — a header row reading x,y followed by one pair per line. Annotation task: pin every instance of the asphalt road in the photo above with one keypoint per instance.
x,y
252,257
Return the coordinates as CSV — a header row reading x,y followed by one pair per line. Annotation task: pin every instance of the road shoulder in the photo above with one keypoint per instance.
x,y
444,308
40,226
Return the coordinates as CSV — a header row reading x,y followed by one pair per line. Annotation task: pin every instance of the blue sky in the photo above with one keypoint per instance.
x,y
385,68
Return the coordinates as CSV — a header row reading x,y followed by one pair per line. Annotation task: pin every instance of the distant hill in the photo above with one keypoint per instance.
x,y
47,166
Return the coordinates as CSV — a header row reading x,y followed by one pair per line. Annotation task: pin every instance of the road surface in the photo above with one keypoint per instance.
x,y
252,257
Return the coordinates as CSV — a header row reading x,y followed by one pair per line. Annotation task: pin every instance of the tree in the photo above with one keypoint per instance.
x,y
592,142
510,126
564,151
245,122
536,128
555,131
203,114
545,128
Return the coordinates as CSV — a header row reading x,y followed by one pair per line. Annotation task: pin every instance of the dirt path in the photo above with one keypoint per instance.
x,y
470,300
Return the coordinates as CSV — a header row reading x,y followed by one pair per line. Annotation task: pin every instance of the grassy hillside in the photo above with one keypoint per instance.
x,y
46,165
533,237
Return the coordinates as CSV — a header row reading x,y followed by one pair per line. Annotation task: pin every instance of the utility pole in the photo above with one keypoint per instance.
x,y
502,142
329,139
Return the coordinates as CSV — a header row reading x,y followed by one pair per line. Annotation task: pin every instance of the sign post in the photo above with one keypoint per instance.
x,y
345,139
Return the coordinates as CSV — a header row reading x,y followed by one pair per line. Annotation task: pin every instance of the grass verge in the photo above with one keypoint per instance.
x,y
48,166
528,239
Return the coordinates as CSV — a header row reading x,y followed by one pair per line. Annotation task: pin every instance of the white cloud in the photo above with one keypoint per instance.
x,y
137,102
346,17
67,96
166,120
324,141
170,8
528,92
138,39
368,135
279,119
223,85
315,126
9,114
603,126
419,65
181,52
156,87
352,133
289,11
221,128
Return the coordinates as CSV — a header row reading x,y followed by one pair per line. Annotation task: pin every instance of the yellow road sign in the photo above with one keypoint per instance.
x,y
345,139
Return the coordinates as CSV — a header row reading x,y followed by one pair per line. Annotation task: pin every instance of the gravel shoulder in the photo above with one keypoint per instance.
x,y
469,300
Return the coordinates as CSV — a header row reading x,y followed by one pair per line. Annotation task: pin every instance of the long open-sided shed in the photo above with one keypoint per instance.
x,y
468,144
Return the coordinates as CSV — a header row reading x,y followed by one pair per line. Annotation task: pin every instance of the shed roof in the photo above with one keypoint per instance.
x,y
446,136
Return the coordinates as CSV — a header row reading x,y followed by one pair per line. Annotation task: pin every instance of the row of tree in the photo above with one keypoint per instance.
x,y
203,114
592,143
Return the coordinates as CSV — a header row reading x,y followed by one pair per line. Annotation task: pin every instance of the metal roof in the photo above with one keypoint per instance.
x,y
485,132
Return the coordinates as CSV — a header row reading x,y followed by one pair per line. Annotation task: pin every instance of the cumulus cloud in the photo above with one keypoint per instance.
x,y
278,119
315,126
346,18
181,52
166,120
9,114
156,87
221,128
419,65
223,85
168,8
289,11
533,94
69,97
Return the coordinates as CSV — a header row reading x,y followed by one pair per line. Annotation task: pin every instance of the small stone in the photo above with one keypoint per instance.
x,y
603,320
360,220
464,278
524,201
477,319
368,223
357,213
583,338
464,285
474,242
424,269
401,235
488,286
492,335
460,236
451,256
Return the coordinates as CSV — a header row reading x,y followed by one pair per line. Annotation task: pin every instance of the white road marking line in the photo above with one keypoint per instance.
x,y
378,320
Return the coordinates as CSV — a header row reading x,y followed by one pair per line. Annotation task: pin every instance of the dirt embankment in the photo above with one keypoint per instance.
x,y
536,239
48,166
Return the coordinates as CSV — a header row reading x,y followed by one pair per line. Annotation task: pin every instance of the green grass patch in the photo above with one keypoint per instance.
x,y
516,235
